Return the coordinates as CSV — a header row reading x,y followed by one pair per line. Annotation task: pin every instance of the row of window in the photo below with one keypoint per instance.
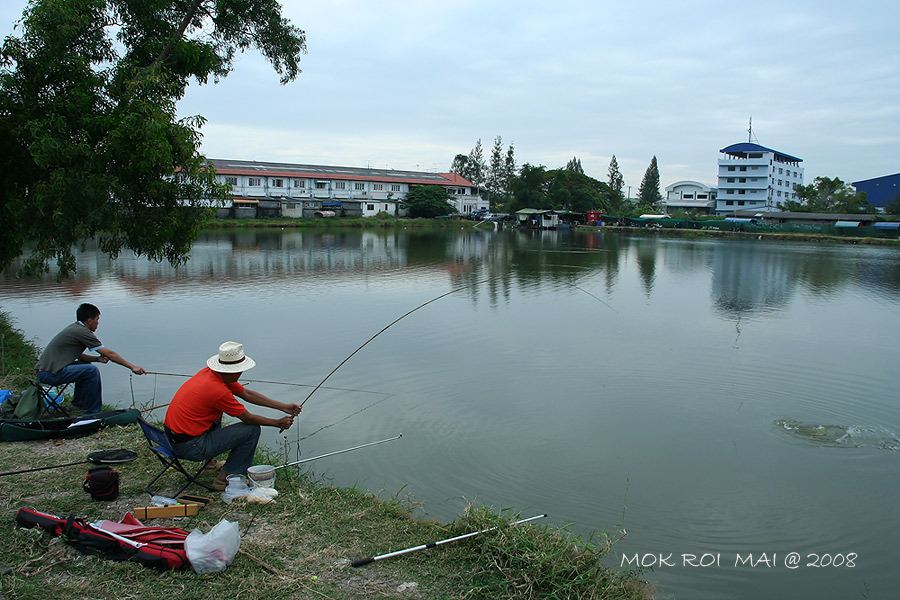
x,y
319,185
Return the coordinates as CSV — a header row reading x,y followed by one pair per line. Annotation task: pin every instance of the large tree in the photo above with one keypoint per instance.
x,y
616,182
648,194
829,195
92,146
496,172
560,189
476,167
426,201
529,188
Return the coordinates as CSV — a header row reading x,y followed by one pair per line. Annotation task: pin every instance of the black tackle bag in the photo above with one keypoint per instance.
x,y
102,483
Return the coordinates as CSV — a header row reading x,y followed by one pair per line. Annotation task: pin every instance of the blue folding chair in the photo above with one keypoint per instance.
x,y
162,448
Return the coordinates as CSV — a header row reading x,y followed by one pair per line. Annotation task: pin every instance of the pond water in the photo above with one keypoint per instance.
x,y
724,402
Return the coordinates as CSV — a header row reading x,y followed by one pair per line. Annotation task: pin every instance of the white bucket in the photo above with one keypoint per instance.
x,y
261,475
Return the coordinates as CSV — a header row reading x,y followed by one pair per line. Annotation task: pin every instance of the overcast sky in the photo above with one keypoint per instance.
x,y
408,85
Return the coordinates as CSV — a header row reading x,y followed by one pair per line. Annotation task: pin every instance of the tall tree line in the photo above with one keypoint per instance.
x,y
494,176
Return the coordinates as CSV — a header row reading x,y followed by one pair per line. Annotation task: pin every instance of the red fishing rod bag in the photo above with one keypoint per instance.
x,y
88,539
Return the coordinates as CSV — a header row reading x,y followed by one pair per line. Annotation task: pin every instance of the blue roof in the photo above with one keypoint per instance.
x,y
751,147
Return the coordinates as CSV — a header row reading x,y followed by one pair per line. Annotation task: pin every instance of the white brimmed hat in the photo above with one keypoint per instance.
x,y
230,359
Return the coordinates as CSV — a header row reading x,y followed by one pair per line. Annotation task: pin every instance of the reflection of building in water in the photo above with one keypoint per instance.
x,y
262,189
249,257
749,277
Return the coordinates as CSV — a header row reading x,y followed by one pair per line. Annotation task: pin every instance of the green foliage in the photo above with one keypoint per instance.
x,y
92,143
575,165
561,189
493,176
426,201
648,194
529,188
19,355
616,182
893,207
826,195
476,167
496,180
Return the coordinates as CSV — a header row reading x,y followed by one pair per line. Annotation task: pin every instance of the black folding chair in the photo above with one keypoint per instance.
x,y
52,396
162,448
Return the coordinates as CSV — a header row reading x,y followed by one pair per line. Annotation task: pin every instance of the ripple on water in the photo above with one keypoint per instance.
x,y
841,436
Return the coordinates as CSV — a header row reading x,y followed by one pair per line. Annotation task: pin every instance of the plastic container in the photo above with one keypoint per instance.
x,y
261,476
236,488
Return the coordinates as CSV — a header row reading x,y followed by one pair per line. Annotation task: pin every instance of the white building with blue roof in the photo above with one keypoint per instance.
x,y
753,177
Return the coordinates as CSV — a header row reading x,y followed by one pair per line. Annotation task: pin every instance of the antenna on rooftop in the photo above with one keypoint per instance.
x,y
750,137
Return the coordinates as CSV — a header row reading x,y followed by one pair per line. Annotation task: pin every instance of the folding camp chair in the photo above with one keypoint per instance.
x,y
162,448
52,396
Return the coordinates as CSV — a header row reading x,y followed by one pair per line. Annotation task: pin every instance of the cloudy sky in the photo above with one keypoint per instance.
x,y
408,85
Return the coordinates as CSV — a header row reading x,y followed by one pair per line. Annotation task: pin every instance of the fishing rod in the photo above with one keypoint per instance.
x,y
297,462
365,561
278,383
388,326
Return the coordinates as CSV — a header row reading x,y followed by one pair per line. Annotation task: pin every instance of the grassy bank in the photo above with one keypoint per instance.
x,y
300,547
17,355
712,233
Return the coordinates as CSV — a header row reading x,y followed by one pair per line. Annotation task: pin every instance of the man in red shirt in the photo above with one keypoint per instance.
x,y
193,417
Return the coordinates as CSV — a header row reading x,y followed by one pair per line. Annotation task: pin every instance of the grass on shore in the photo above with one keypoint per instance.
x,y
299,547
18,355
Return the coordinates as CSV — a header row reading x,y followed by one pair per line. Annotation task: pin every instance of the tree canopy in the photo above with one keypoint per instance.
x,y
560,189
829,195
92,144
427,201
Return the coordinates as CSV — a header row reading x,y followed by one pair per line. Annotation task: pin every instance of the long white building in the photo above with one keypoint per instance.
x,y
753,177
264,189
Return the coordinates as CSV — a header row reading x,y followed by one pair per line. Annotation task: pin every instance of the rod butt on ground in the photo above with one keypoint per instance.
x,y
362,561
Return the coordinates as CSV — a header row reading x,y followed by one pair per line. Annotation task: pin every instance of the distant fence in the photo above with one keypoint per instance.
x,y
882,230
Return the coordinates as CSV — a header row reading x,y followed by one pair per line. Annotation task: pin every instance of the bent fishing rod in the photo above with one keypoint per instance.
x,y
388,326
365,561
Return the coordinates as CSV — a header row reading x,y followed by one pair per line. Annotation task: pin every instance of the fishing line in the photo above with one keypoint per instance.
x,y
388,326
345,418
279,383
594,297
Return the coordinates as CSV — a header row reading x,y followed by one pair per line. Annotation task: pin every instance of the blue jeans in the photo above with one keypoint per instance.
x,y
88,388
239,440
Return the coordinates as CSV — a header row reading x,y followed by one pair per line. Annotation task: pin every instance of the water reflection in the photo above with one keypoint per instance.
x,y
747,276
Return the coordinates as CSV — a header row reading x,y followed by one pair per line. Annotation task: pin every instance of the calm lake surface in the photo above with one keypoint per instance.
x,y
734,400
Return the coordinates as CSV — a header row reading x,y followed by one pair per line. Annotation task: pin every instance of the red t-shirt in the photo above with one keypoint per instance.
x,y
200,402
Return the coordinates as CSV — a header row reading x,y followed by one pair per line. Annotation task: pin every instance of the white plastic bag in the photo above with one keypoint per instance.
x,y
214,551
262,495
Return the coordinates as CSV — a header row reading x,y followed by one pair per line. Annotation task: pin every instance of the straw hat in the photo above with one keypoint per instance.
x,y
230,359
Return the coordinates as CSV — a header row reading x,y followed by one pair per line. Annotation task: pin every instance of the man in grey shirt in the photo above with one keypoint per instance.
x,y
64,360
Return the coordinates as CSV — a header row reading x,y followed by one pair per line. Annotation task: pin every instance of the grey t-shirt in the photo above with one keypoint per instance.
x,y
68,345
